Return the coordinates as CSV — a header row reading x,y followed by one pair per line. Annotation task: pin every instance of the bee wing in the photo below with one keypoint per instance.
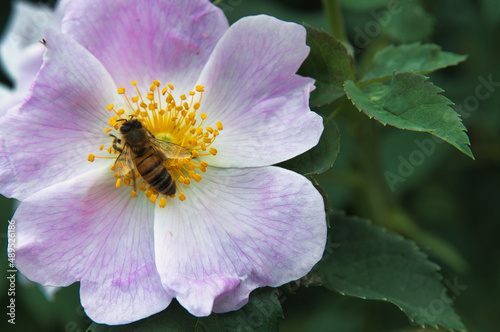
x,y
124,163
169,150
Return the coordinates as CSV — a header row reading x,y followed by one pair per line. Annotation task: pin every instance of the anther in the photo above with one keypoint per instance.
x,y
163,202
152,198
91,157
121,91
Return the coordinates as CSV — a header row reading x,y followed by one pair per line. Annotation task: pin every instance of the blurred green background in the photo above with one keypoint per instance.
x,y
452,200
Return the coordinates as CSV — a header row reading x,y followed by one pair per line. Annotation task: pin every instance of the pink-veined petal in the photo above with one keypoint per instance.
x,y
26,27
147,40
237,230
30,62
85,229
49,137
21,48
252,88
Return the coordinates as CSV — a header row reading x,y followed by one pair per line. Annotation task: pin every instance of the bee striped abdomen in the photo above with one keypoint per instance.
x,y
152,170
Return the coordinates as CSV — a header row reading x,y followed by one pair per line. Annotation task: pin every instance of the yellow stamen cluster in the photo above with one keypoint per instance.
x,y
172,121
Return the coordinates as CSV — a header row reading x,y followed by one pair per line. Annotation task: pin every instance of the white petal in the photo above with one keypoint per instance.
x,y
48,138
26,27
238,229
251,86
86,230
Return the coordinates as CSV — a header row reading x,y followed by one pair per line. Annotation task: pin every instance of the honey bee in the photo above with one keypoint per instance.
x,y
144,153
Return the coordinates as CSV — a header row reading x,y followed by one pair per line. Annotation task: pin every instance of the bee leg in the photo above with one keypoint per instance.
x,y
117,148
133,180
116,140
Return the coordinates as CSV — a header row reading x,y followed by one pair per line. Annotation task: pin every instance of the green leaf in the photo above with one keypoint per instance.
x,y
366,261
415,57
328,208
408,22
262,313
409,102
329,63
491,10
321,157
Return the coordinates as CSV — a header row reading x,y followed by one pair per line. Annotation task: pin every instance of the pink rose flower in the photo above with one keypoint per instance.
x,y
228,95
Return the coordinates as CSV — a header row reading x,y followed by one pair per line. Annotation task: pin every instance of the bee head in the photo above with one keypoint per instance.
x,y
130,124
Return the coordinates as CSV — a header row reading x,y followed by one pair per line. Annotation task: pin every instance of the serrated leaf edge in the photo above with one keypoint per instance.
x,y
418,251
423,72
432,132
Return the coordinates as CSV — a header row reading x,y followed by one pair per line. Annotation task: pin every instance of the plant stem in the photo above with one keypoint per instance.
x,y
335,19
